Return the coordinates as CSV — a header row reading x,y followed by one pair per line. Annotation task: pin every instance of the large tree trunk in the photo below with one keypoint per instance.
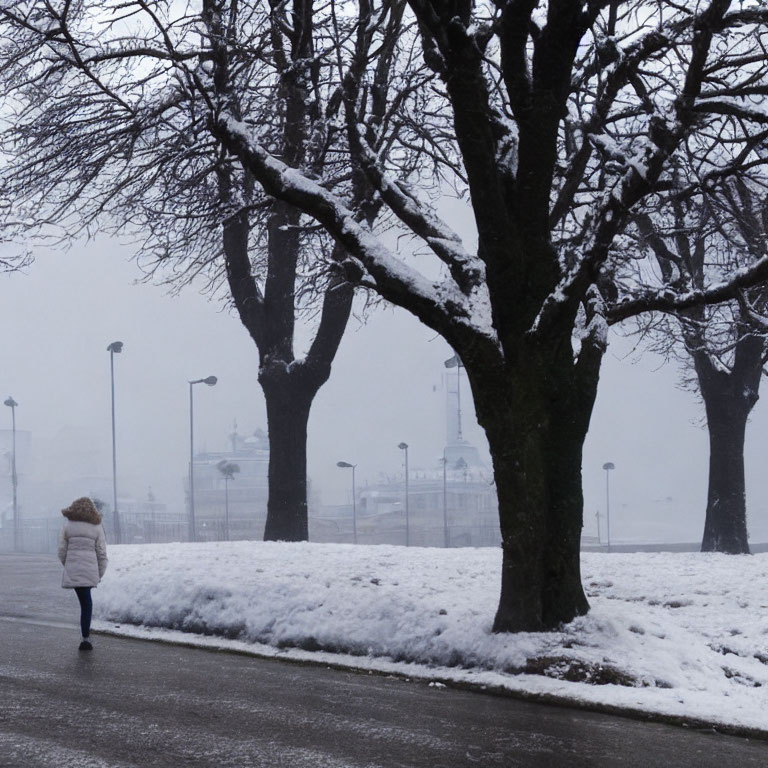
x,y
289,385
725,527
289,399
729,397
536,419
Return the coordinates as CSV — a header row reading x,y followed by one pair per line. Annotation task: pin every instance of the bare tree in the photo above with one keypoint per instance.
x,y
697,240
106,106
538,97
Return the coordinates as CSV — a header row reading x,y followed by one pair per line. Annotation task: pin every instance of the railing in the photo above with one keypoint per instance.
x,y
459,535
41,535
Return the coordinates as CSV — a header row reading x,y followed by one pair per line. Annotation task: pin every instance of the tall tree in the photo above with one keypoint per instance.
x,y
103,106
538,98
696,242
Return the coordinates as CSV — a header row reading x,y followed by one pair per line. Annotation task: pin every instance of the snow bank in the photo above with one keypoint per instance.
x,y
678,634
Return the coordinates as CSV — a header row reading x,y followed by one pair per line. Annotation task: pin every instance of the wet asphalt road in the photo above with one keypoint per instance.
x,y
134,703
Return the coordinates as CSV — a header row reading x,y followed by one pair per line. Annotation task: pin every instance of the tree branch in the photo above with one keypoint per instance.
x,y
667,300
436,304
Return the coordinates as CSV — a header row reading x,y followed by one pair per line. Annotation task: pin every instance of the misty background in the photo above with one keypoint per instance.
x,y
388,385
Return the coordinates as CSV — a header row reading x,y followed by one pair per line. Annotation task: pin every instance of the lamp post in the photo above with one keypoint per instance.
x,y
11,403
445,500
347,465
114,348
210,381
404,447
227,469
608,466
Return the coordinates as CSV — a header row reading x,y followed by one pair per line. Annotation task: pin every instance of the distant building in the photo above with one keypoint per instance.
x,y
455,509
244,496
453,504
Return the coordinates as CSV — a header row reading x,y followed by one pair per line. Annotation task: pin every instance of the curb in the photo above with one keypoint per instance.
x,y
680,721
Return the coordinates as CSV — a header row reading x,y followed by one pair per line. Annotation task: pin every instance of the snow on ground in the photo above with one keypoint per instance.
x,y
682,634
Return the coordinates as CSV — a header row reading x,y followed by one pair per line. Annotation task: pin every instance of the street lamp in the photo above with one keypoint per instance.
x,y
227,469
11,403
114,348
209,381
404,447
347,465
608,466
445,500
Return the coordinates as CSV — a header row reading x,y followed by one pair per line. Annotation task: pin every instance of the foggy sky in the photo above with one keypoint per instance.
x,y
387,386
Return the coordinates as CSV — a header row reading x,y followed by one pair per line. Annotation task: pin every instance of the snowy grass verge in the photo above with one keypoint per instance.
x,y
678,635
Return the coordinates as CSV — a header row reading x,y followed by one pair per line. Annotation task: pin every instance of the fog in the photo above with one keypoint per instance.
x,y
387,386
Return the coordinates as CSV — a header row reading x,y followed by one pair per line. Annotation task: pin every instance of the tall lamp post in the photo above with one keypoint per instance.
x,y
445,500
347,465
404,447
608,466
227,469
11,403
114,348
210,381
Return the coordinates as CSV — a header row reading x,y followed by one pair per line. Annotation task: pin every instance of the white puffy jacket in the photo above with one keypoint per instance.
x,y
83,553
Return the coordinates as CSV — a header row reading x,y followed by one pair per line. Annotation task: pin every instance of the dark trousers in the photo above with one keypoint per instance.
x,y
86,609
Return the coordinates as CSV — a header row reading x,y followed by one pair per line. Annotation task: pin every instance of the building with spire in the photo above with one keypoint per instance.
x,y
451,504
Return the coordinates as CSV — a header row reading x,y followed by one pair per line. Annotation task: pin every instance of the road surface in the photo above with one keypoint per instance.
x,y
135,704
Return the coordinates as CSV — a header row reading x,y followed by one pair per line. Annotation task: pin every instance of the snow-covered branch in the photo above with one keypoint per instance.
x,y
465,269
667,300
756,319
642,163
435,303
741,108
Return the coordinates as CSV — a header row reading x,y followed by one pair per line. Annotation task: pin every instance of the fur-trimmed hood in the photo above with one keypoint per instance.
x,y
83,510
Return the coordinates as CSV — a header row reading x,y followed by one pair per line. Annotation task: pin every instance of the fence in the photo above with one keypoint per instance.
x,y
458,535
41,535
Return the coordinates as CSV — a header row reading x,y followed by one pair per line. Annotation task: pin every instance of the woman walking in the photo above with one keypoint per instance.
x,y
83,553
